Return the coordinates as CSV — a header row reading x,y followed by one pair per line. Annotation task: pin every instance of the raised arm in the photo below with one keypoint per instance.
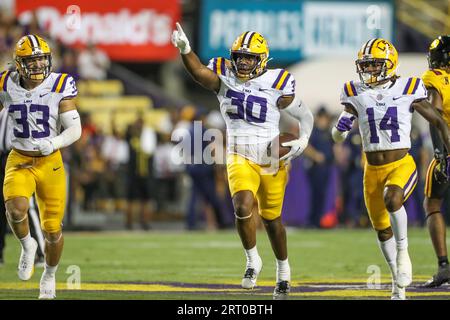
x,y
196,69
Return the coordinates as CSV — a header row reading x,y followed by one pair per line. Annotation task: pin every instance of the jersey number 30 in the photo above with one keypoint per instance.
x,y
22,120
238,99
389,122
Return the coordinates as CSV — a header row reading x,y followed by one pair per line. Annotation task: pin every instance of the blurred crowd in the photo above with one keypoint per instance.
x,y
88,63
132,172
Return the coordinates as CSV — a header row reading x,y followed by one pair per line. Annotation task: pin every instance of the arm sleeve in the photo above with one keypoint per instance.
x,y
300,111
70,120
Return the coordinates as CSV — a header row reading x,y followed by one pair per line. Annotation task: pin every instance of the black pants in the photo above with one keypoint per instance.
x,y
36,232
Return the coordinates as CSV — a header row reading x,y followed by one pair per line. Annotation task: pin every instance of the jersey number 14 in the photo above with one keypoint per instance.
x,y
389,122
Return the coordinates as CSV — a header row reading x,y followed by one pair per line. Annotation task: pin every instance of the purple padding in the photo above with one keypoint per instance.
x,y
330,198
296,200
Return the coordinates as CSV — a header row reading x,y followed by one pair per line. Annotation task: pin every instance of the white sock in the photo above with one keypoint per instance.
x,y
253,259
49,270
399,222
26,242
283,270
389,250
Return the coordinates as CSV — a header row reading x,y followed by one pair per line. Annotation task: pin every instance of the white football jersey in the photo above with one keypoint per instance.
x,y
34,114
384,115
250,108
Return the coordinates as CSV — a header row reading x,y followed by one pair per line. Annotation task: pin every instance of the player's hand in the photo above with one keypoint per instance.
x,y
345,124
46,147
297,147
180,41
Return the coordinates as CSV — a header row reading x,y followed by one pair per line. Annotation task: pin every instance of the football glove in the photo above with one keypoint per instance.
x,y
442,170
46,147
297,147
180,41
345,123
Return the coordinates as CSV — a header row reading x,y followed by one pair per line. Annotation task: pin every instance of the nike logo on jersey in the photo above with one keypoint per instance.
x,y
261,89
44,94
396,98
54,169
75,118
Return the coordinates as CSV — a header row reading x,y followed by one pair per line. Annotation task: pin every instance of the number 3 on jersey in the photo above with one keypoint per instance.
x,y
389,122
22,120
239,99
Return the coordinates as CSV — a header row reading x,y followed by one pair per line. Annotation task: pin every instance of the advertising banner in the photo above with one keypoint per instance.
x,y
294,29
127,30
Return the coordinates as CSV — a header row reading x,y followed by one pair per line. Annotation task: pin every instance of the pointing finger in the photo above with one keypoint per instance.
x,y
180,29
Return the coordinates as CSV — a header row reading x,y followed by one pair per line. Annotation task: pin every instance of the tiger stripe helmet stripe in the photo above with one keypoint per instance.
x,y
243,38
248,39
369,46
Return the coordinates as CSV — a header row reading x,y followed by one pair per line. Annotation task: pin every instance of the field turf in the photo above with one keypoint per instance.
x,y
325,264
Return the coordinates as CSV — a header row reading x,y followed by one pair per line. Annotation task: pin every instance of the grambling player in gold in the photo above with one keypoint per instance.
x,y
39,103
437,82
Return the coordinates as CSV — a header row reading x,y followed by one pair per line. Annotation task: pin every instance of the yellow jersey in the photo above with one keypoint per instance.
x,y
440,80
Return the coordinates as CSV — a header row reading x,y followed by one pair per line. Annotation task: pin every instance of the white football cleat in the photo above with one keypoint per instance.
x,y
250,276
47,286
26,261
397,292
404,268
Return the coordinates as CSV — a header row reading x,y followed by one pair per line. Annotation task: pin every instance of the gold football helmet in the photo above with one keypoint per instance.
x,y
31,48
253,46
377,61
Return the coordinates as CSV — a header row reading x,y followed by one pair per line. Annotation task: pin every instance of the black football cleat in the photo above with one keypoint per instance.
x,y
281,291
441,277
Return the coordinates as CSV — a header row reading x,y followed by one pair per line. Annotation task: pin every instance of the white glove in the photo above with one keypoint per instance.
x,y
297,147
180,41
46,147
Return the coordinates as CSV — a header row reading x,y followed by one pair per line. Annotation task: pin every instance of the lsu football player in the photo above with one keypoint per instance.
x,y
437,82
384,103
251,97
39,104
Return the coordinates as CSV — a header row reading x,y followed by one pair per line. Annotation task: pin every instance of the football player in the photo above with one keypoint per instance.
x,y
384,103
437,82
251,97
39,102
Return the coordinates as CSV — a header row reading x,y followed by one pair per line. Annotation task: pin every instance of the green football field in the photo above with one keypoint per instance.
x,y
328,264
